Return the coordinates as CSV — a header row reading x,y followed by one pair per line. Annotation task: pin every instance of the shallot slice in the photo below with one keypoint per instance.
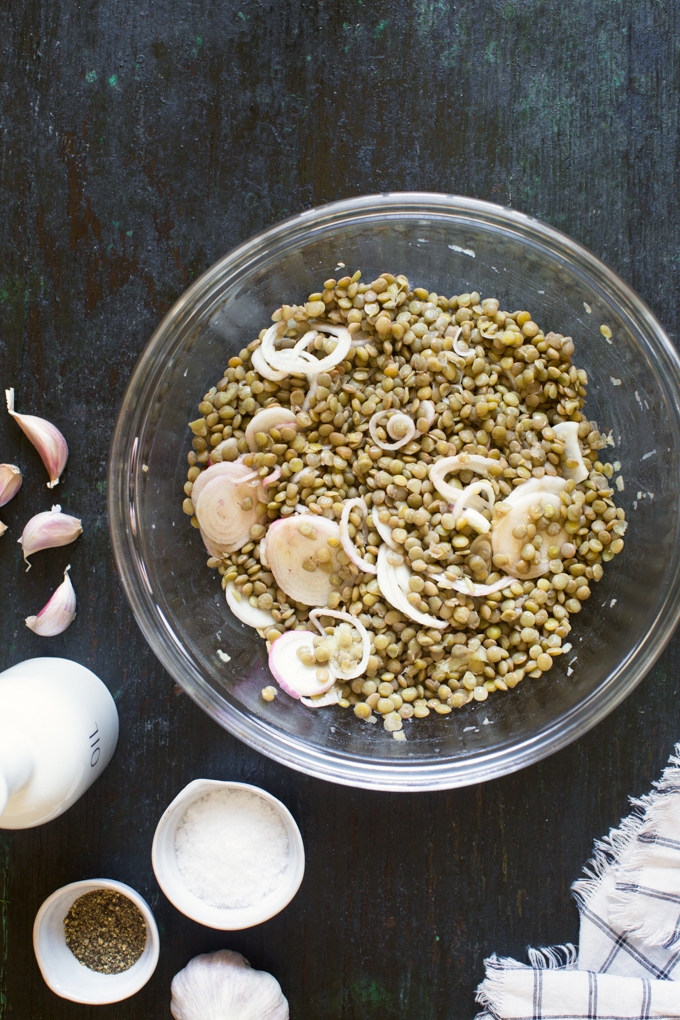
x,y
473,489
505,543
262,368
347,543
302,553
466,585
393,582
568,431
271,478
408,424
252,616
426,411
384,530
462,462
339,614
235,470
553,484
290,672
267,419
332,696
302,363
227,509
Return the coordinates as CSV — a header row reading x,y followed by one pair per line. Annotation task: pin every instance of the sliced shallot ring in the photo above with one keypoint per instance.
x,y
224,520
462,462
235,470
306,364
252,616
384,530
271,478
474,489
427,411
373,426
289,671
347,543
388,581
264,369
267,419
505,543
568,430
476,520
468,587
554,484
288,549
332,696
339,614
461,348
263,552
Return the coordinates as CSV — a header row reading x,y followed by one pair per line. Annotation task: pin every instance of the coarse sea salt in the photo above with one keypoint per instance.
x,y
232,848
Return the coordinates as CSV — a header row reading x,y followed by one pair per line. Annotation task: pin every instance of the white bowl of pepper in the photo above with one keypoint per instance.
x,y
95,941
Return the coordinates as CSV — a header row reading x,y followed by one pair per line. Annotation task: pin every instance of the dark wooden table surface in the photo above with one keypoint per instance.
x,y
139,142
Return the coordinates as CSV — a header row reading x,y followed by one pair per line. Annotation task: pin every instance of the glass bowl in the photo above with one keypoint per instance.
x,y
452,245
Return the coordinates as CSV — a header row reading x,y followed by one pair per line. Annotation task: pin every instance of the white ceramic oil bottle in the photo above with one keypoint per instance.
x,y
58,730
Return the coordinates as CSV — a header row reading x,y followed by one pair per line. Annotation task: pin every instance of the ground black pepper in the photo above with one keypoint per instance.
x,y
105,931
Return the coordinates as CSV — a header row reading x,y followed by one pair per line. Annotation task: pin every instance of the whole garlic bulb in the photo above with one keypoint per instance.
x,y
223,986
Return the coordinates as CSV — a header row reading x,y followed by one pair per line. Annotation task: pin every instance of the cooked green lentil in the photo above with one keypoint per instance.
x,y
497,386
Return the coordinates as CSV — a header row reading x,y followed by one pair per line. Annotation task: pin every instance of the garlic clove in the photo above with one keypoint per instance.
x,y
3,529
46,438
223,986
57,614
48,530
10,482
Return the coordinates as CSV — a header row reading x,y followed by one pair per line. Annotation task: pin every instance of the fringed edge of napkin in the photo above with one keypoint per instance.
x,y
490,992
628,876
609,850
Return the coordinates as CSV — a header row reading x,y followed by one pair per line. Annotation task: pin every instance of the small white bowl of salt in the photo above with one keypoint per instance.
x,y
228,855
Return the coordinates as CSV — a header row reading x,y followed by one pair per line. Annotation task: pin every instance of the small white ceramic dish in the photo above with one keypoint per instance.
x,y
164,862
61,970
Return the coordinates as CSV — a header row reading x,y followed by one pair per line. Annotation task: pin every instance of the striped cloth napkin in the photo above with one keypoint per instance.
x,y
628,961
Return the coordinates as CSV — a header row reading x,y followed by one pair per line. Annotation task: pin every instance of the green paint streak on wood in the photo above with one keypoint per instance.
x,y
4,903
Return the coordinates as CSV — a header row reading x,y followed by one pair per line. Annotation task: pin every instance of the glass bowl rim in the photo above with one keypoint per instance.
x,y
327,764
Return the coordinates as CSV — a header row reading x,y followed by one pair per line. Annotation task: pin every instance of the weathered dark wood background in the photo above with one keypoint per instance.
x,y
139,142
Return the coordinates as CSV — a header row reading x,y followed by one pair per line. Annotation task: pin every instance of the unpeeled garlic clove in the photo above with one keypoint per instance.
x,y
58,613
10,482
46,438
3,529
48,530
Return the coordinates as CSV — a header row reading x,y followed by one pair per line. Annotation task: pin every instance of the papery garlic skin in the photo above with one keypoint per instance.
x,y
10,482
58,613
223,986
49,530
46,438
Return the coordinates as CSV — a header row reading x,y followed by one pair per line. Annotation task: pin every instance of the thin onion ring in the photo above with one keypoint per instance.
x,y
384,530
461,462
373,425
338,614
347,544
395,595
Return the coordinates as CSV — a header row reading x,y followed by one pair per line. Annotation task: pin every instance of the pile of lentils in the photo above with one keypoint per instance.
x,y
499,398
